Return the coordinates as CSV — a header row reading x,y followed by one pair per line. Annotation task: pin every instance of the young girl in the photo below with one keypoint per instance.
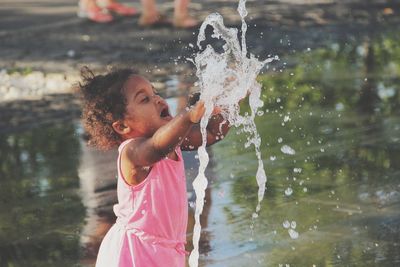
x,y
122,108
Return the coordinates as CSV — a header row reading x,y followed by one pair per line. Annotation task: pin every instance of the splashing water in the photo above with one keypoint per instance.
x,y
224,79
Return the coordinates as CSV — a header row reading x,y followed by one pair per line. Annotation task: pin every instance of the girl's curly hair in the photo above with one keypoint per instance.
x,y
103,103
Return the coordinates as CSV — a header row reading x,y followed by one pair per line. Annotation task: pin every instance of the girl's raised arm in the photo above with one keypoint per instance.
x,y
217,129
147,151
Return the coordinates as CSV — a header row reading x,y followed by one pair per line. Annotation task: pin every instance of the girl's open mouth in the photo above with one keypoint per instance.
x,y
165,113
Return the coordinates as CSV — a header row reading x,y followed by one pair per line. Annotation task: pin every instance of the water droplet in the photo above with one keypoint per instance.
x,y
288,191
293,234
286,119
286,224
280,140
288,150
297,170
71,53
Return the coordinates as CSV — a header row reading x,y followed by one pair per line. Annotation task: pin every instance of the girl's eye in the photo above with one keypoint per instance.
x,y
144,100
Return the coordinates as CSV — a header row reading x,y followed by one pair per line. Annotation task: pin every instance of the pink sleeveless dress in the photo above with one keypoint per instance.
x,y
150,230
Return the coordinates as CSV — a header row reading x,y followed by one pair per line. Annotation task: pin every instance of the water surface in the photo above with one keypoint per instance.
x,y
335,106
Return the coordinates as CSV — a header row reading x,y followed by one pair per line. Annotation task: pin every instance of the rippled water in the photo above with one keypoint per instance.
x,y
345,200
330,133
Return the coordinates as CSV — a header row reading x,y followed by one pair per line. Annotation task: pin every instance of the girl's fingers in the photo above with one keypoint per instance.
x,y
200,104
197,111
200,109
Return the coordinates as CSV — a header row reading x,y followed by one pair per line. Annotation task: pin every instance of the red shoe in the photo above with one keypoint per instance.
x,y
121,9
95,14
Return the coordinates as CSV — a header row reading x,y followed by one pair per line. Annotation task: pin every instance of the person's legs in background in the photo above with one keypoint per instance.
x,y
99,11
182,19
151,15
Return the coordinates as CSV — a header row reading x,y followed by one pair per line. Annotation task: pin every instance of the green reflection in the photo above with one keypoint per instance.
x,y
337,107
41,213
354,74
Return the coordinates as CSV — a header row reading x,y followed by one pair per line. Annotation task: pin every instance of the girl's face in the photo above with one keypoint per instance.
x,y
146,111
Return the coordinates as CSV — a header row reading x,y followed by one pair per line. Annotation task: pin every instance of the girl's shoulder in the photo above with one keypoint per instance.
x,y
130,174
123,144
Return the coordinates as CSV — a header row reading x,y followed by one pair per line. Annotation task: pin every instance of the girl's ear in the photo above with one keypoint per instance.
x,y
120,127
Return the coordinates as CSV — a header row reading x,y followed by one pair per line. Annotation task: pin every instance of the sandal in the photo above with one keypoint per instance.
x,y
121,9
94,13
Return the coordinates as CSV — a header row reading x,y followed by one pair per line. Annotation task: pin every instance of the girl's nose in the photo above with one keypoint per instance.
x,y
158,99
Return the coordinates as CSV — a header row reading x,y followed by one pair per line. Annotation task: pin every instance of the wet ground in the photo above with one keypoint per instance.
x,y
48,36
330,131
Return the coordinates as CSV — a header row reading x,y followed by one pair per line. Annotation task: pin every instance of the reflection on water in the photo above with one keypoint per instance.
x,y
41,213
345,201
335,107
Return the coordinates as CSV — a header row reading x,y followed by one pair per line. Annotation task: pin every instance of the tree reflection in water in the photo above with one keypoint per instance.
x,y
40,211
337,107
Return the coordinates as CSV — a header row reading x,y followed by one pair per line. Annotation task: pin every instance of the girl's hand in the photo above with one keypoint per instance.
x,y
195,97
196,112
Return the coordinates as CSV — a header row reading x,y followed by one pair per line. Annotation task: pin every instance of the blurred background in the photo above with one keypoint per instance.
x,y
330,130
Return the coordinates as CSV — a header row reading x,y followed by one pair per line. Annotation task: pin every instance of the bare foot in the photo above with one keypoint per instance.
x,y
185,22
152,20
89,10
